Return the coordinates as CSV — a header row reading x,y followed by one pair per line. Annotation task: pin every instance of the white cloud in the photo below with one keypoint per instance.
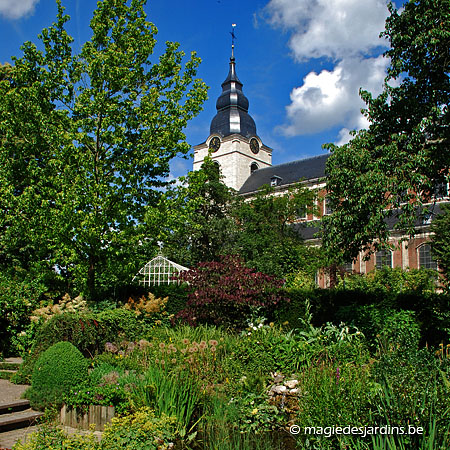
x,y
331,98
346,32
15,9
329,28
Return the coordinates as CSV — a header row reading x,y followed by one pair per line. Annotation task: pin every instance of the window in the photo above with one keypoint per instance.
x,y
383,258
441,191
275,181
427,218
326,207
426,259
253,166
302,213
348,266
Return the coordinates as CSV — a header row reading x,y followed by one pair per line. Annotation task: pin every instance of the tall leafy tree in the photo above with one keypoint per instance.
x,y
393,167
199,225
86,140
266,238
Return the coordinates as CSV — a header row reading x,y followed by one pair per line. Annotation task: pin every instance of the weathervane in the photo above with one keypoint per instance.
x,y
233,36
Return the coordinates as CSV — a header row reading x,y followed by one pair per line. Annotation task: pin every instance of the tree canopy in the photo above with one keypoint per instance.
x,y
393,168
198,223
204,220
86,140
267,239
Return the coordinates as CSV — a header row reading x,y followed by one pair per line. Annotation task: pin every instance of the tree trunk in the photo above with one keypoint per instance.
x,y
91,277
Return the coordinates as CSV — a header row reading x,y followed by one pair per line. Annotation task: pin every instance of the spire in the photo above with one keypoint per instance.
x,y
232,105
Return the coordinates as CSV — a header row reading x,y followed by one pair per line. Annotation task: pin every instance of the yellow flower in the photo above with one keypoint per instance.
x,y
254,411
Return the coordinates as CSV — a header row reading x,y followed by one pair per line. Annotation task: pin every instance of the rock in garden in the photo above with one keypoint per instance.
x,y
291,384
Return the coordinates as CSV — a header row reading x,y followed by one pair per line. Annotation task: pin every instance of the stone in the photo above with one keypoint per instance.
x,y
277,377
291,384
277,390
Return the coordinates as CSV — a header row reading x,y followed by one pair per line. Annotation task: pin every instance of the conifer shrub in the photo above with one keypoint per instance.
x,y
56,371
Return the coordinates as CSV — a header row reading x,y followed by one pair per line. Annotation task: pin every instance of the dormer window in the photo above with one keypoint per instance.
x,y
275,181
427,218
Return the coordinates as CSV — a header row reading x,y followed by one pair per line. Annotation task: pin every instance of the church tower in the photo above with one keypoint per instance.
x,y
232,139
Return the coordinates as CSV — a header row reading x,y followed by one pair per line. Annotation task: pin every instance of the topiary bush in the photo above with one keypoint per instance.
x,y
58,369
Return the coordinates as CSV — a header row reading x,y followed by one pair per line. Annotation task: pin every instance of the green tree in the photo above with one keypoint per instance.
x,y
266,238
393,168
199,225
86,141
440,241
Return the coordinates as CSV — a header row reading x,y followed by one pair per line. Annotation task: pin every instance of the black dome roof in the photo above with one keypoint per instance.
x,y
232,108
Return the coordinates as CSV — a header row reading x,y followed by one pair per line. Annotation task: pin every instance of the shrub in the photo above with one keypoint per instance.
x,y
66,304
227,292
118,324
87,331
150,309
392,281
142,429
106,395
107,385
17,299
367,302
58,369
177,293
401,331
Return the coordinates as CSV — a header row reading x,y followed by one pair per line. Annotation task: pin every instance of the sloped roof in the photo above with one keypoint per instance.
x,y
291,172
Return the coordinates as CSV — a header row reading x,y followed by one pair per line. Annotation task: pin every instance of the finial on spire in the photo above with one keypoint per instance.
x,y
233,38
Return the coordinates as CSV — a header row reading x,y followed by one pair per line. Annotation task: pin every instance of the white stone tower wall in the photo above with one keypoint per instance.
x,y
234,157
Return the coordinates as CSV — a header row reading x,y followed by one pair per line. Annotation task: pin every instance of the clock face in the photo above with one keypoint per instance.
x,y
214,144
254,145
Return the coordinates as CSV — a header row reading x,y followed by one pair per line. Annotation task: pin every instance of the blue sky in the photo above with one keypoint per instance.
x,y
302,62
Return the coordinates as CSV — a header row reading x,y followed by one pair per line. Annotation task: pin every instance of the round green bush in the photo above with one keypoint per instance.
x,y
59,368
